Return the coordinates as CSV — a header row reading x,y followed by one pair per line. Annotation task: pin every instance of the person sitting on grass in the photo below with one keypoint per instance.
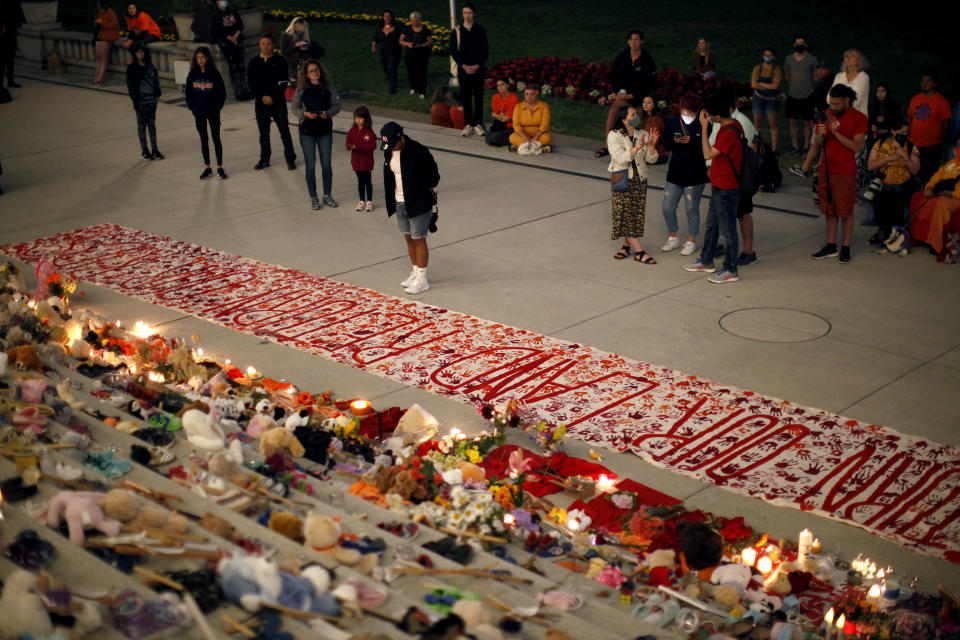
x,y
531,122
442,114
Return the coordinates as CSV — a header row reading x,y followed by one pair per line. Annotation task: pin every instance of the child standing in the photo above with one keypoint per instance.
x,y
361,142
143,85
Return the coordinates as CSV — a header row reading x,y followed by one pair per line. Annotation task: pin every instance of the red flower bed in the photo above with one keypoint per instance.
x,y
590,81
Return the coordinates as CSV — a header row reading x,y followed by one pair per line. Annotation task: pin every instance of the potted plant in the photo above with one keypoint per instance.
x,y
39,11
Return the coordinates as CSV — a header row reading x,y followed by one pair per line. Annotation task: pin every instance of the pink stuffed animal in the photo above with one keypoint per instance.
x,y
80,510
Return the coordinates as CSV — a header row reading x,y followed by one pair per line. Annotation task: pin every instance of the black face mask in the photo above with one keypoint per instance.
x,y
799,48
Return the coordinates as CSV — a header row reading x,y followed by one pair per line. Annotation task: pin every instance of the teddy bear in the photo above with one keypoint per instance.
x,y
125,507
21,609
23,357
400,481
252,581
81,511
201,430
322,534
280,440
286,524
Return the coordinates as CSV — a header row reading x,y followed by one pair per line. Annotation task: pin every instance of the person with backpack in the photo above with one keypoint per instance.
x,y
726,176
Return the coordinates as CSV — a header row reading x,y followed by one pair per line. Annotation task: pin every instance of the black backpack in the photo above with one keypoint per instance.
x,y
749,178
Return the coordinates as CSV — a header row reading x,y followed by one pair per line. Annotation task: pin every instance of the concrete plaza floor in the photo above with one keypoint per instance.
x,y
525,242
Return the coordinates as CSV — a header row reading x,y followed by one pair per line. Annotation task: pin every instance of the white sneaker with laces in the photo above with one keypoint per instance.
x,y
672,243
478,129
414,271
467,131
360,206
688,248
369,206
420,284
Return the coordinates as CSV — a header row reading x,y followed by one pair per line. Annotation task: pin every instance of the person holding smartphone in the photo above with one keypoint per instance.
x,y
686,174
315,102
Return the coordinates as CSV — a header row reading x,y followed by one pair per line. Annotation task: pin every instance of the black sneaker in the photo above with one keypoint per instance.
x,y
157,155
206,173
291,165
222,174
146,155
263,164
844,255
747,258
829,251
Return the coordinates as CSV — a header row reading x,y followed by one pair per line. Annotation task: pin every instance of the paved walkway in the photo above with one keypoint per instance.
x,y
524,242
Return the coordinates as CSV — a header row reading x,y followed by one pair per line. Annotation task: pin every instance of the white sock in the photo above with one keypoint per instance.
x,y
422,272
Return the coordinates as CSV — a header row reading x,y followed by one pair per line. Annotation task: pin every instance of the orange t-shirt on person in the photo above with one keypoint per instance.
x,y
143,22
505,107
927,114
440,114
109,27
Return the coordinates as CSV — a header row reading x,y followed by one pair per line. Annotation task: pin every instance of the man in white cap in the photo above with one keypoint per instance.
x,y
409,178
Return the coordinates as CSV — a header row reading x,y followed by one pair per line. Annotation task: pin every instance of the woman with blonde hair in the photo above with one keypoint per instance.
x,y
296,47
418,40
853,73
315,102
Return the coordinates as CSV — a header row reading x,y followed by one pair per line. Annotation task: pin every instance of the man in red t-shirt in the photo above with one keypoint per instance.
x,y
929,114
725,175
841,138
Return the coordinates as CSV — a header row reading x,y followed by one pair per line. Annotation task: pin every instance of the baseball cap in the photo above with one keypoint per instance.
x,y
389,135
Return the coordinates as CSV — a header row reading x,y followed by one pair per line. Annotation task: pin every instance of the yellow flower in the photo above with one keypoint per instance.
x,y
558,515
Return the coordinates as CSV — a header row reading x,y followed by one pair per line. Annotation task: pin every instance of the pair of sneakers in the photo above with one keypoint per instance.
x,y
364,205
471,130
673,242
716,277
830,251
416,282
327,200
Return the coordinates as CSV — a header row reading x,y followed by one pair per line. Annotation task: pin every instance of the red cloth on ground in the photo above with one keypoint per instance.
x,y
606,515
496,464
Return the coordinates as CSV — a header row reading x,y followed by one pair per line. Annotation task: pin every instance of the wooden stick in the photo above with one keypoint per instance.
x,y
156,577
470,534
73,484
475,573
234,626
128,484
503,606
382,616
198,617
301,615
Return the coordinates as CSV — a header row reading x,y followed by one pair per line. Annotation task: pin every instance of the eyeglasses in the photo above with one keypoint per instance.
x,y
314,70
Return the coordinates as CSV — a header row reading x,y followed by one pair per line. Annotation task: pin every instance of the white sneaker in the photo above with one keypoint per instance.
x,y
419,285
478,129
360,206
467,131
672,243
369,206
410,278
688,248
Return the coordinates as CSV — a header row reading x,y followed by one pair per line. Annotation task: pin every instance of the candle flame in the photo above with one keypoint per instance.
x,y
32,304
874,591
252,372
359,405
765,565
749,556
156,377
841,622
142,330
829,617
573,524
509,520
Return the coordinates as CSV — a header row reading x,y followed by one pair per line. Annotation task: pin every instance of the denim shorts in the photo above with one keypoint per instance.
x,y
765,105
416,227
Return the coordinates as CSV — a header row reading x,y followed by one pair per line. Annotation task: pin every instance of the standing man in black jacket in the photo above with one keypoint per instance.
x,y
632,77
409,178
267,75
470,48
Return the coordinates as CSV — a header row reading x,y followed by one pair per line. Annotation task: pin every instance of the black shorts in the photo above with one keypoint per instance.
x,y
744,205
800,108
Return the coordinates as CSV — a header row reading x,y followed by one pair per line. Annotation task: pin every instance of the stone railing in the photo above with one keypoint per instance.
x,y
76,51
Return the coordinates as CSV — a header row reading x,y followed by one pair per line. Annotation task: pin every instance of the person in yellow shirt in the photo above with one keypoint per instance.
x,y
531,121
899,161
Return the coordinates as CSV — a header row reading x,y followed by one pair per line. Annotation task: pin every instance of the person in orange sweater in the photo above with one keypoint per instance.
x,y
503,102
107,26
141,27
442,114
531,121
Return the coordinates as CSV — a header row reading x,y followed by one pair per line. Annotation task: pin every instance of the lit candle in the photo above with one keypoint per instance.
x,y
33,305
509,521
252,373
605,484
803,546
827,622
573,524
360,407
749,556
141,329
815,547
765,565
841,623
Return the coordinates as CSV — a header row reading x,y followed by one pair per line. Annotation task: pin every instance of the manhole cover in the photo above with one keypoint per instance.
x,y
773,324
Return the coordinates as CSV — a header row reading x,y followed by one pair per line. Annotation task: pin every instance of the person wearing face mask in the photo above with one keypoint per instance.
x,y
800,71
296,47
227,32
686,175
629,147
765,83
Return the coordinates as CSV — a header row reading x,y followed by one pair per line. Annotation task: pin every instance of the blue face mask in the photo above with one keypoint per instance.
x,y
767,59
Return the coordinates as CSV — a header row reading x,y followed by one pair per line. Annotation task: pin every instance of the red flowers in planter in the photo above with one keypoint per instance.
x,y
590,81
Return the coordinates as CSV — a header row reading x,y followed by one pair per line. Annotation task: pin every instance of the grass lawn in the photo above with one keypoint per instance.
x,y
899,49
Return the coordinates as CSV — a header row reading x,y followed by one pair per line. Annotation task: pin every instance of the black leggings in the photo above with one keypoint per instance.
x,y
365,185
214,121
147,122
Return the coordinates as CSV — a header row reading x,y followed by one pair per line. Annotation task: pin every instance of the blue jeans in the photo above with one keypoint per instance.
x,y
722,219
691,203
313,145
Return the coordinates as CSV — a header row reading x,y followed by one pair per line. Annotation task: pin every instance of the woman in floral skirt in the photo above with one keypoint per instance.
x,y
626,141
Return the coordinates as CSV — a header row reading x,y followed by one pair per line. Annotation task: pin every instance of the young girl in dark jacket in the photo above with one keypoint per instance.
x,y
362,142
143,85
205,97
